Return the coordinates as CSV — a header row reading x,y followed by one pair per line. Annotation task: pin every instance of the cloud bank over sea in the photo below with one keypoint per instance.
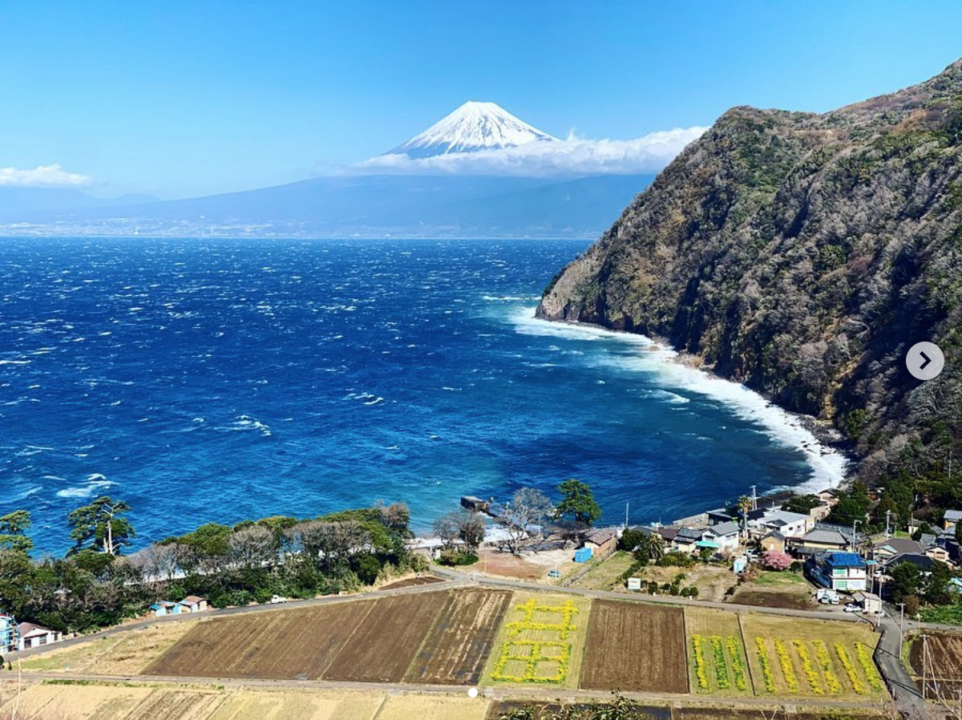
x,y
572,156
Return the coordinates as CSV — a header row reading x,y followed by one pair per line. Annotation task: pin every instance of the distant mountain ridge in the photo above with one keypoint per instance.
x,y
364,205
803,255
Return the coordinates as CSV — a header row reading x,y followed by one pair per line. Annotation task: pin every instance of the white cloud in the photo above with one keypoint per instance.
x,y
572,156
42,176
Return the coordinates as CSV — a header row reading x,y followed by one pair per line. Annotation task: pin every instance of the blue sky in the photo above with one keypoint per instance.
x,y
181,98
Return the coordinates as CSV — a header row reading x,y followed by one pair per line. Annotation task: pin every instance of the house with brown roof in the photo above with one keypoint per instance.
x,y
602,540
32,635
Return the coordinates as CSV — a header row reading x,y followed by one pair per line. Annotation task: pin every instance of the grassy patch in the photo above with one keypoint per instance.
x,y
944,614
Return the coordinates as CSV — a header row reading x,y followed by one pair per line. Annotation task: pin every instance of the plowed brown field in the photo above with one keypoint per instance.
x,y
635,647
455,650
293,644
383,646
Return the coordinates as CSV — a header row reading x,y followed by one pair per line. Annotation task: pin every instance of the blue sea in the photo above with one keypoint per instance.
x,y
218,380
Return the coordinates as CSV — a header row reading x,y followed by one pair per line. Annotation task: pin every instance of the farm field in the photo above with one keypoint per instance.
x,y
605,574
384,644
752,714
454,651
635,647
406,707
126,653
288,644
541,641
777,589
116,702
813,658
716,653
298,704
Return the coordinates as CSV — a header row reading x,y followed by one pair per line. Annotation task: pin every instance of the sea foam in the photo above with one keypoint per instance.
x,y
828,467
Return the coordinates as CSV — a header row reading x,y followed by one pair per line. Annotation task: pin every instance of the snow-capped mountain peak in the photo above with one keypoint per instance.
x,y
473,126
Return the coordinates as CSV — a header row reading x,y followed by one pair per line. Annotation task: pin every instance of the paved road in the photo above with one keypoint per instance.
x,y
897,677
489,581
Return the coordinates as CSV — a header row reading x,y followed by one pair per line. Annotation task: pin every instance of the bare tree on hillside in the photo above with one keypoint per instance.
x,y
528,507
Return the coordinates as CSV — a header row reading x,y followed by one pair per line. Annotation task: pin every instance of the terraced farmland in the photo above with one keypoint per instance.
x,y
716,653
811,657
455,650
635,647
285,645
541,641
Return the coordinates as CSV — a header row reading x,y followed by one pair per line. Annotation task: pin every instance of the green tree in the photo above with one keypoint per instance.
x,y
801,504
936,590
101,525
906,581
958,532
13,532
577,503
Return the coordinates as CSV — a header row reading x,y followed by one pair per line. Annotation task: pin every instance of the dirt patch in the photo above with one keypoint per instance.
x,y
635,647
773,599
942,655
384,644
284,645
529,566
455,650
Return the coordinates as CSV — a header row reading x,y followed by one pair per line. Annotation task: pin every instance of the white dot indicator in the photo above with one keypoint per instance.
x,y
473,692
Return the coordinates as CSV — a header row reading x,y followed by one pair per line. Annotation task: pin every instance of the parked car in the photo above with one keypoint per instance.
x,y
853,608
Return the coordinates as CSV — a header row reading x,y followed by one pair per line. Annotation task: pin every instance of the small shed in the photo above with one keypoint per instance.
x,y
165,607
870,602
584,554
739,564
193,604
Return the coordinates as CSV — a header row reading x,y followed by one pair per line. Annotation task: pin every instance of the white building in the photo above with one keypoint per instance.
x,y
725,534
32,636
789,524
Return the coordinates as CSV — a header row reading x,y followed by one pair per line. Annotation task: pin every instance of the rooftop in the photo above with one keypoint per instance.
x,y
844,559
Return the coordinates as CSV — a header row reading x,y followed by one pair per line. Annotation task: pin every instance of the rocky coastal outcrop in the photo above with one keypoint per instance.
x,y
803,254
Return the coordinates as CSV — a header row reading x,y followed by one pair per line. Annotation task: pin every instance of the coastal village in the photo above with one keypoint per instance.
x,y
758,601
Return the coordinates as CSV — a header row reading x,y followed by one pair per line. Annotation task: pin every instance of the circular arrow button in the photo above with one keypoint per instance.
x,y
925,361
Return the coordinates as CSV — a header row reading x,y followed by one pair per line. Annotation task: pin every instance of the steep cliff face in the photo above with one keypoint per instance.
x,y
803,255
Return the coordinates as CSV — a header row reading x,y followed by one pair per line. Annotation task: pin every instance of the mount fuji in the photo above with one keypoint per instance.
x,y
380,203
472,127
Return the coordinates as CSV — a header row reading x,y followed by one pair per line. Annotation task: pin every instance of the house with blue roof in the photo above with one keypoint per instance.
x,y
842,571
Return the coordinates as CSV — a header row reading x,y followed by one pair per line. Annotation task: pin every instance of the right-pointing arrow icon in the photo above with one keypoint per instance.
x,y
925,361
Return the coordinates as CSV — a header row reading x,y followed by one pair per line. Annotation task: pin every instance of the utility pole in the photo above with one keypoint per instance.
x,y
888,532
626,515
754,498
854,533
901,624
924,646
